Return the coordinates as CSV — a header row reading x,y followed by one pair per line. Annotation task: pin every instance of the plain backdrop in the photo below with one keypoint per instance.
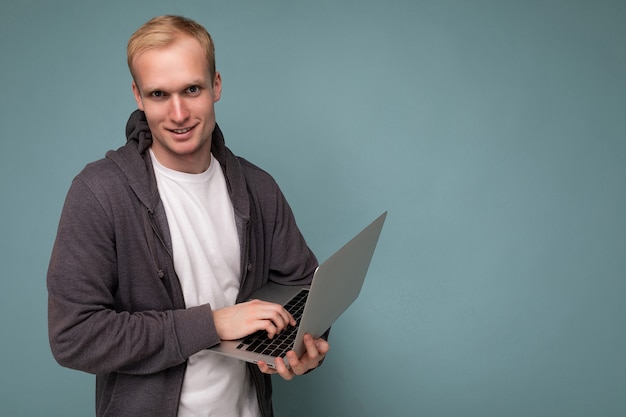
x,y
494,133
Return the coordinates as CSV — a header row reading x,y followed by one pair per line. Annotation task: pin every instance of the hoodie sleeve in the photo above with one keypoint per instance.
x,y
292,261
105,313
285,253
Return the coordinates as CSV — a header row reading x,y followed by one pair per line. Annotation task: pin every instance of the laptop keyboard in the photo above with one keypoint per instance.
x,y
258,342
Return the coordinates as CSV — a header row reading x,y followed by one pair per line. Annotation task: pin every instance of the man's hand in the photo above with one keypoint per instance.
x,y
246,318
316,350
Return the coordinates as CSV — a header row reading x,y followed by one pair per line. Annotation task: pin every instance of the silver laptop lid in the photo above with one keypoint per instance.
x,y
338,282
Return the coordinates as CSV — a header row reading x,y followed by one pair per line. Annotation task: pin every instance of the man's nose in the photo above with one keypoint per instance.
x,y
178,110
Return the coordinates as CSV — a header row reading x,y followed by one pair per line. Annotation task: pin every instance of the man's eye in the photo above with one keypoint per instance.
x,y
194,89
157,94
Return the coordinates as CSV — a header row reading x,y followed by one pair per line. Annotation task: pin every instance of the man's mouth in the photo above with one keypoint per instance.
x,y
181,131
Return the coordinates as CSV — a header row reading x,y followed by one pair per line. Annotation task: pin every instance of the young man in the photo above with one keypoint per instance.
x,y
160,243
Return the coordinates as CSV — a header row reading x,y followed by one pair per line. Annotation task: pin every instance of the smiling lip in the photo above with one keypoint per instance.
x,y
182,133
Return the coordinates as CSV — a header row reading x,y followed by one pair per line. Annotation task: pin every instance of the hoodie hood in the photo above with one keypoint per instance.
x,y
137,130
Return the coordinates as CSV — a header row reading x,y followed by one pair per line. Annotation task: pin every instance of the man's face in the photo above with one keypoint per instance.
x,y
173,87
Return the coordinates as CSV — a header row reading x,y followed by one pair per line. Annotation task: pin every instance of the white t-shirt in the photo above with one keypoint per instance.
x,y
207,260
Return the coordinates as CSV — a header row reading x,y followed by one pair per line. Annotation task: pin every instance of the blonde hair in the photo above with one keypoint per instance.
x,y
162,31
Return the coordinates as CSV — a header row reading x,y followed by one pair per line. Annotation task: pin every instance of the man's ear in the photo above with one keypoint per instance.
x,y
137,95
217,87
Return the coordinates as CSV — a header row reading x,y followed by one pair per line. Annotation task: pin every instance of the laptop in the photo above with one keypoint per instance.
x,y
336,284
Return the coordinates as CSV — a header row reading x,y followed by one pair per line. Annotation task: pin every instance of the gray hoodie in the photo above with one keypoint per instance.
x,y
115,305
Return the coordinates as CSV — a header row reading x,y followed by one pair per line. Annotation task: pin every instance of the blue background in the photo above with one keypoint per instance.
x,y
492,131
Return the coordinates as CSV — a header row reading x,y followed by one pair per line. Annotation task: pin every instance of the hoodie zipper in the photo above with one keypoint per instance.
x,y
151,229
